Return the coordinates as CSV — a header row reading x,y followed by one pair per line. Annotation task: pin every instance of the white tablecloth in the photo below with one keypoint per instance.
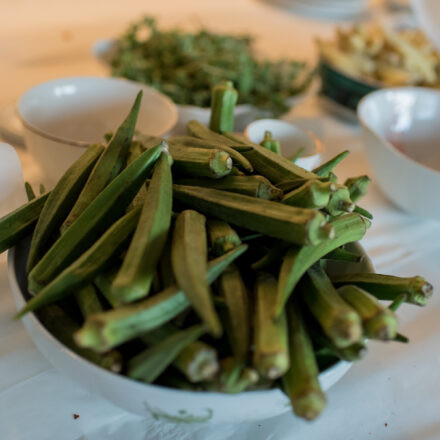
x,y
394,393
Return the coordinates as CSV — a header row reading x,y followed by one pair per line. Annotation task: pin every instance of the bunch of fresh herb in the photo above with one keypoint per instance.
x,y
185,66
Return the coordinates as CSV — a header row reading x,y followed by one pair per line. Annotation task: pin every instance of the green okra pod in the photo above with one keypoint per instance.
x,y
233,377
42,189
296,225
389,287
352,353
341,254
137,271
167,277
348,228
363,212
273,256
108,166
200,162
63,328
29,191
198,361
357,186
270,143
324,169
269,164
188,141
233,290
105,330
297,154
152,362
88,300
301,381
378,321
222,238
103,281
254,186
339,321
271,351
88,265
223,100
107,207
339,201
19,223
201,131
60,202
313,194
396,303
189,255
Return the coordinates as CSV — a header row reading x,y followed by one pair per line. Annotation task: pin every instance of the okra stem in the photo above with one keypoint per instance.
x,y
29,191
223,100
324,169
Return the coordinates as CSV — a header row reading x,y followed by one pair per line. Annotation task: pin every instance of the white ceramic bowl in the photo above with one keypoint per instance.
x,y
291,138
165,403
401,131
63,116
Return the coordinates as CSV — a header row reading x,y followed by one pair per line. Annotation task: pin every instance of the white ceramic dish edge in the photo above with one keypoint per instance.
x,y
160,402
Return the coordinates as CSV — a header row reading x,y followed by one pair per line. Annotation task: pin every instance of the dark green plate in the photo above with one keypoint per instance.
x,y
342,88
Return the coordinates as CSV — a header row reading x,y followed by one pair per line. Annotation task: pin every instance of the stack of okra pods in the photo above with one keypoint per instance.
x,y
200,262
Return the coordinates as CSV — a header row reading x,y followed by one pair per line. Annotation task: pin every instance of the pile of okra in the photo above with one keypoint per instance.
x,y
200,262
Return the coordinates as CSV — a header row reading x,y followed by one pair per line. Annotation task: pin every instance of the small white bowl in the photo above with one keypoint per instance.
x,y
291,138
63,116
165,403
401,131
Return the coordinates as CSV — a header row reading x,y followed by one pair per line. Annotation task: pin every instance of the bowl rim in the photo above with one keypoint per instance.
x,y
319,145
383,140
12,275
83,78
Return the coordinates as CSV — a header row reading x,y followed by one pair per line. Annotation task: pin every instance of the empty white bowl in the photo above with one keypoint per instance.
x,y
291,138
401,132
63,116
165,403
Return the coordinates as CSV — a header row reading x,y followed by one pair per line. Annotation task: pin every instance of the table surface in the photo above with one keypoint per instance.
x,y
394,393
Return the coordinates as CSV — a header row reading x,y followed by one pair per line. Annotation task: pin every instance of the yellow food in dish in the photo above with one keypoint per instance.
x,y
378,54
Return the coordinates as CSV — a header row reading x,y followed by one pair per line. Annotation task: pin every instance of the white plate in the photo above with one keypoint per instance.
x,y
165,403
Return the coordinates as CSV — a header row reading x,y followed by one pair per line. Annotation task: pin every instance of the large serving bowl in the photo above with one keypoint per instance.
x,y
62,117
161,402
401,129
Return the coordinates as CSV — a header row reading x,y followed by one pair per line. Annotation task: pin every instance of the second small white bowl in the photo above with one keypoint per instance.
x,y
63,116
291,138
